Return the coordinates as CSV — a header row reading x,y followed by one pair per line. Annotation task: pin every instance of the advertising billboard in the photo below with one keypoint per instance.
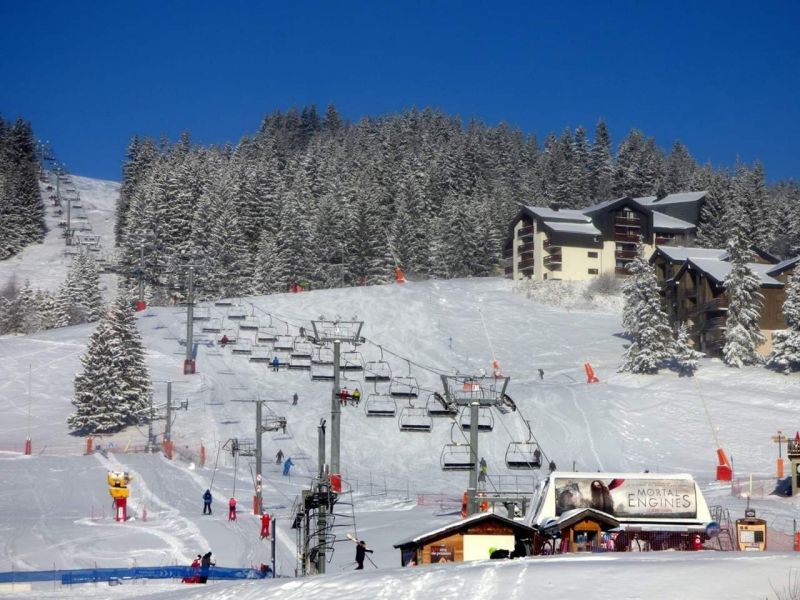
x,y
628,498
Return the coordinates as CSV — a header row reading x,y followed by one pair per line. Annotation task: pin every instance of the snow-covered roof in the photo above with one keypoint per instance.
x,y
681,253
579,228
666,222
562,214
680,198
458,525
783,265
719,269
601,205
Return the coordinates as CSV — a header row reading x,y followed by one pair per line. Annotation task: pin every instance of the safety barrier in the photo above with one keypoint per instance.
x,y
70,576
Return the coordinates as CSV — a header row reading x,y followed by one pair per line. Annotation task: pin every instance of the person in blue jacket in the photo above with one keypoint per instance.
x,y
275,364
287,465
207,502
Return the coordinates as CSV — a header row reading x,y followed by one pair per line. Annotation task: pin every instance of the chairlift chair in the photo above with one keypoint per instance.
x,y
299,362
266,334
212,326
415,419
237,313
303,348
485,418
524,455
248,324
242,347
457,457
404,387
284,342
223,302
380,405
322,355
378,370
351,361
437,406
321,371
261,354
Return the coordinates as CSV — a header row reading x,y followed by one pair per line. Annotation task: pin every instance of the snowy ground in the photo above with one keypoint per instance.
x,y
57,508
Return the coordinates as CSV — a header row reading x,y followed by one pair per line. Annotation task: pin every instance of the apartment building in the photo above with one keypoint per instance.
x,y
566,244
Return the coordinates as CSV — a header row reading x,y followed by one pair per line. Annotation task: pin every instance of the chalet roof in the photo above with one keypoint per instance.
x,y
719,269
562,214
679,198
461,524
576,515
664,222
681,253
599,206
579,228
783,266
608,204
771,258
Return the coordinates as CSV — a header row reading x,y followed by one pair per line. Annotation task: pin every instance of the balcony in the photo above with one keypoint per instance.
x,y
527,247
713,324
506,262
629,238
626,254
660,241
526,232
621,271
527,263
553,259
547,244
635,222
720,303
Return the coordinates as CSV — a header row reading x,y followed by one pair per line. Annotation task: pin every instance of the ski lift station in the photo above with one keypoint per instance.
x,y
596,512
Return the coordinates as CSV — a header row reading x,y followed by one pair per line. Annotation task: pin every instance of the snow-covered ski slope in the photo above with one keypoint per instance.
x,y
46,264
56,508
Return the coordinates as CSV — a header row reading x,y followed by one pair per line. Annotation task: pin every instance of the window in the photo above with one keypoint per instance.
x,y
593,271
592,254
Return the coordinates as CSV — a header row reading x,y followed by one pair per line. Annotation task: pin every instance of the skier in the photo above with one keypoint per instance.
x,y
195,577
294,399
355,396
484,469
276,363
232,509
205,565
224,341
279,457
343,396
541,373
537,456
286,466
265,518
302,332
207,502
361,550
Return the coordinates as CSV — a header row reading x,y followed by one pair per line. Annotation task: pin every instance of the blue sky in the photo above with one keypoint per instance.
x,y
724,77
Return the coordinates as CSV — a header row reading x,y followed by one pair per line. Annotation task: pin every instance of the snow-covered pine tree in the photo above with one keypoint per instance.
x,y
602,164
100,403
686,357
712,230
680,169
581,193
785,355
742,333
651,336
131,362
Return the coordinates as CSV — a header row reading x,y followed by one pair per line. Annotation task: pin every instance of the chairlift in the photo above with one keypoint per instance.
x,y
457,457
437,406
285,341
274,423
212,326
415,419
378,370
261,354
322,355
223,302
524,455
351,361
299,362
485,418
380,405
266,334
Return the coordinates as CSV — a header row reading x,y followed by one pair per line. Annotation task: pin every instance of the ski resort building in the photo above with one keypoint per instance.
x,y
692,284
468,539
618,512
549,243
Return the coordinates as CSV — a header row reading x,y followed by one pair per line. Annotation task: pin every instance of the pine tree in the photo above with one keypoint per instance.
x,y
686,356
133,367
742,333
651,337
785,355
712,230
602,164
680,169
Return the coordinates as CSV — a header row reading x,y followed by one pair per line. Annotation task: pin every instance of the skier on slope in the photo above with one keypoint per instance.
x,y
205,565
279,457
361,552
265,519
286,466
207,502
294,399
232,509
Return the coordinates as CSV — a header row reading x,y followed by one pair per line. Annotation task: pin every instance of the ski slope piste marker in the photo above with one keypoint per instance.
x,y
355,541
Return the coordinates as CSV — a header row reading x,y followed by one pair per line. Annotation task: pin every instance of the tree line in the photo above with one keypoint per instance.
x,y
312,198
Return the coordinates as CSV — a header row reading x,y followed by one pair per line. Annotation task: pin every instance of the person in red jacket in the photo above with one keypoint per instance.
x,y
232,509
265,518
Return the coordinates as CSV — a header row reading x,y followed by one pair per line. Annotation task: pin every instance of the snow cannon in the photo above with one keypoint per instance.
x,y
724,469
118,488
